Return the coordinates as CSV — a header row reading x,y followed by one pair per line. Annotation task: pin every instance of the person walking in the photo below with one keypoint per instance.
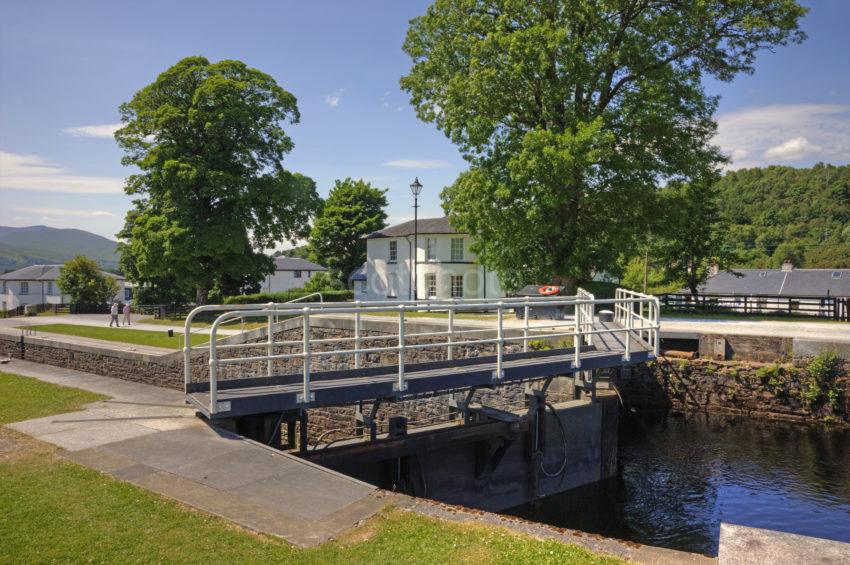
x,y
127,314
113,313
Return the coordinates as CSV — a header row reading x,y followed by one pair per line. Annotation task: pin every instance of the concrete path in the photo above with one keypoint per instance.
x,y
816,331
741,545
148,436
102,320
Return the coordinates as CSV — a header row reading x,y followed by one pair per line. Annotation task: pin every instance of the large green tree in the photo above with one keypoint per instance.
x,y
212,192
571,111
83,281
354,208
692,238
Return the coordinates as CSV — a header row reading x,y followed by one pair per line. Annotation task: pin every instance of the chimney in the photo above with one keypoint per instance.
x,y
787,266
714,270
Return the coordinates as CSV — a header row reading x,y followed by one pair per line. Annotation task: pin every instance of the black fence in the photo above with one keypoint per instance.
x,y
835,308
164,311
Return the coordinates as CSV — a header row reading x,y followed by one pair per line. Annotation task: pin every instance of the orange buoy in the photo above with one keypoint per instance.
x,y
548,290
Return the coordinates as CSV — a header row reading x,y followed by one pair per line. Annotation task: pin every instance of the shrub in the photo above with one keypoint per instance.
x,y
287,295
823,366
322,282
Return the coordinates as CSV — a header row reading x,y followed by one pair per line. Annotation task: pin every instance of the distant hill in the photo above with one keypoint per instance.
x,y
777,213
34,245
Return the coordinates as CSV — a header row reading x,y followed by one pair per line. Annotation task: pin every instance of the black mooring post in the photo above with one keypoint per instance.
x,y
290,433
302,432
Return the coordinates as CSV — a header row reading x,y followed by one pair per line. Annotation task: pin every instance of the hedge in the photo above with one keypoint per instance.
x,y
287,295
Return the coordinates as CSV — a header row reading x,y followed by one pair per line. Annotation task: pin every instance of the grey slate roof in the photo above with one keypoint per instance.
x,y
425,225
797,282
43,273
358,274
296,264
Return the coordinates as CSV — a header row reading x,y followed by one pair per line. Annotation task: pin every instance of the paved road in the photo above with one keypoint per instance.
x,y
148,436
818,331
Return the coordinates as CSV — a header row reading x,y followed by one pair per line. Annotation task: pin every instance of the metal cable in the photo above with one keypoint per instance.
x,y
564,436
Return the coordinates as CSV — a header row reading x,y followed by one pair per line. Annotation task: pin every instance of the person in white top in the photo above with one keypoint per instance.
x,y
126,313
113,313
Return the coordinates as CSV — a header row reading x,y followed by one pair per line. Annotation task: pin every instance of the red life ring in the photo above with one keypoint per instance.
x,y
548,290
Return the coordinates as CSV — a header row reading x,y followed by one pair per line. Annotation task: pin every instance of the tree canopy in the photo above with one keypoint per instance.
x,y
354,208
570,113
212,192
81,279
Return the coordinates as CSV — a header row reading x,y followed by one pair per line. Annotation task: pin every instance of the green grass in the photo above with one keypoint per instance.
x,y
55,511
123,335
181,322
26,398
748,317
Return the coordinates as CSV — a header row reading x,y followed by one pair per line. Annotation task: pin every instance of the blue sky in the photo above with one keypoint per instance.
x,y
66,66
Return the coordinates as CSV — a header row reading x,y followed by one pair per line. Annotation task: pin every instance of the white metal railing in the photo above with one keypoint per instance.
x,y
636,315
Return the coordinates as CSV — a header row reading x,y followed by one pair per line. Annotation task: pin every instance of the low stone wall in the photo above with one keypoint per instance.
x,y
804,390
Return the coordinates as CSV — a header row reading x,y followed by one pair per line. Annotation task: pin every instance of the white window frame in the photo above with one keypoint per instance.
x,y
25,288
431,285
457,249
49,287
431,249
392,255
456,286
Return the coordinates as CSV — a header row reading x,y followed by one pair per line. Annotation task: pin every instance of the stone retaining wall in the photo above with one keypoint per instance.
x,y
798,391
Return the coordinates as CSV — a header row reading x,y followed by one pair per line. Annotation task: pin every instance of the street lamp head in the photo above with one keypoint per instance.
x,y
416,187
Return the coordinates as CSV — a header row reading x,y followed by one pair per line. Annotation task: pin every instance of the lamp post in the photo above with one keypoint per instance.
x,y
415,188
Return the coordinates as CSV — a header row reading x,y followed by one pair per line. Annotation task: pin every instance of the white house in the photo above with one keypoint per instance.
x,y
290,272
445,266
36,284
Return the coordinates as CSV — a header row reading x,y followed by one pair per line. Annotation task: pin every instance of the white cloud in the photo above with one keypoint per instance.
x,y
104,130
32,172
66,213
334,99
417,164
793,134
793,149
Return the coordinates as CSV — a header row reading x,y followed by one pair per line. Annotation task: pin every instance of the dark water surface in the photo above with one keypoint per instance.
x,y
680,477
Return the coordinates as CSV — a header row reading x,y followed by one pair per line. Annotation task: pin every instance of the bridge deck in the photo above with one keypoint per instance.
x,y
257,395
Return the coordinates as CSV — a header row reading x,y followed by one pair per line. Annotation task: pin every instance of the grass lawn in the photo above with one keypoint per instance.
x,y
57,511
26,398
748,317
181,322
123,335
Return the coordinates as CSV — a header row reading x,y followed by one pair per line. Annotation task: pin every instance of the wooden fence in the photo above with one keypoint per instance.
x,y
832,307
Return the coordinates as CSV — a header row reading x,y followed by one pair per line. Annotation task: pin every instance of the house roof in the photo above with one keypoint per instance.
x,y
296,264
358,274
424,225
796,282
43,273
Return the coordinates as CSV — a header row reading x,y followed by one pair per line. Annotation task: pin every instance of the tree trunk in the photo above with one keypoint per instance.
x,y
201,295
570,284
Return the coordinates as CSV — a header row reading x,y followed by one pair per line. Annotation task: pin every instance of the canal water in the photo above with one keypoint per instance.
x,y
681,476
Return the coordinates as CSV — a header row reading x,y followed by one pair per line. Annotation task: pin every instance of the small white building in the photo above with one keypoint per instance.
x,y
289,273
36,284
445,265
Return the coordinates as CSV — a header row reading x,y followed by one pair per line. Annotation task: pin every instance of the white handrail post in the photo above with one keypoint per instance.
x,y
577,336
628,355
525,329
500,340
450,353
401,386
270,341
657,324
357,341
306,395
213,371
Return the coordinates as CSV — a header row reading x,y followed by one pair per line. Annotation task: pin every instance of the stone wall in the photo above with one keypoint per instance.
x,y
800,391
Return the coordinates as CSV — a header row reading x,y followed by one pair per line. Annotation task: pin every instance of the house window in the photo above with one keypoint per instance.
x,y
25,287
49,287
431,285
457,286
128,294
457,249
393,255
296,274
308,274
836,274
431,249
